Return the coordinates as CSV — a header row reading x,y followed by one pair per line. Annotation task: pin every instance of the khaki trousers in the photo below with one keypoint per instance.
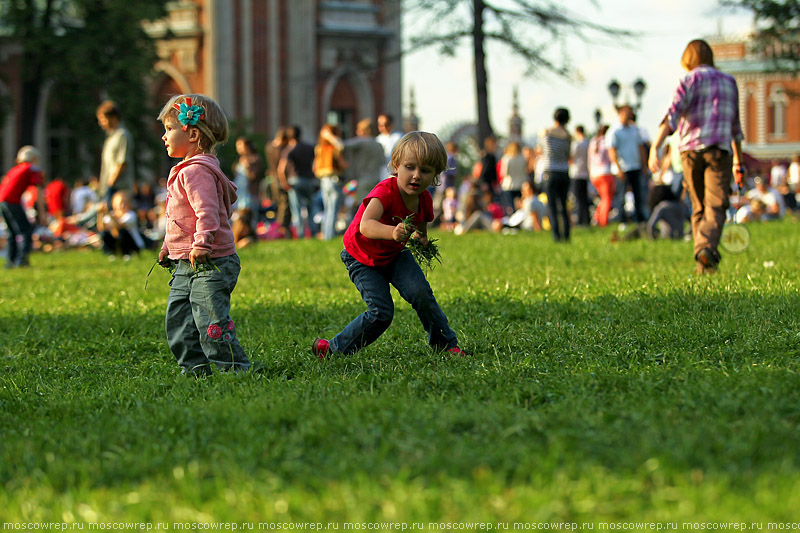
x,y
707,176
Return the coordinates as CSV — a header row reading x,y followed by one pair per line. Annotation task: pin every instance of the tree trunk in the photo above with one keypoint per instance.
x,y
484,125
31,88
33,68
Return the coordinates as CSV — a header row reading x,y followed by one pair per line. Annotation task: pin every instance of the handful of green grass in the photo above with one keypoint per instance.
x,y
170,265
426,256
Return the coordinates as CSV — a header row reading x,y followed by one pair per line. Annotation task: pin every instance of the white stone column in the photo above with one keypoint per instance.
x,y
302,65
218,62
272,98
761,110
248,102
741,83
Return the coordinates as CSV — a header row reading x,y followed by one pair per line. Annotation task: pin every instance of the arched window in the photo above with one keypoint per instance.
x,y
777,112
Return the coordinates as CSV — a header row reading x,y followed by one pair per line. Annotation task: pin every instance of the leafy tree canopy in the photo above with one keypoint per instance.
x,y
534,30
777,29
86,50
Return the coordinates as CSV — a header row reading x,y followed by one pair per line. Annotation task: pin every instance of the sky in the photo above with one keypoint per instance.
x,y
444,87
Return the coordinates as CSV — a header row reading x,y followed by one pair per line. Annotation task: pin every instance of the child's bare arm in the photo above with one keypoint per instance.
x,y
422,232
372,228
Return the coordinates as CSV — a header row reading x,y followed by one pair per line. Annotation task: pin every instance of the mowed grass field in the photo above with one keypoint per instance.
x,y
606,382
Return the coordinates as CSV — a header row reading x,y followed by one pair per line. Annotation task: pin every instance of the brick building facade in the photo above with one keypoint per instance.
x,y
769,101
267,62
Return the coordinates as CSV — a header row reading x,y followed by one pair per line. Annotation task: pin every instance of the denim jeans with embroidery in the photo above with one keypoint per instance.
x,y
374,285
200,331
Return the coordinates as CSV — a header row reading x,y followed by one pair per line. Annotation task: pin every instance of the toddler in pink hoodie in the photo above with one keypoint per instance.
x,y
199,246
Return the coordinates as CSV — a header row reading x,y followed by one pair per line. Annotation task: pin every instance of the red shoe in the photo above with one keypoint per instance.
x,y
320,348
455,350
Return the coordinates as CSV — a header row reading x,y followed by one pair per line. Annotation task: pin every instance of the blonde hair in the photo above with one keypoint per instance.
x,y
698,52
27,154
425,148
364,126
213,126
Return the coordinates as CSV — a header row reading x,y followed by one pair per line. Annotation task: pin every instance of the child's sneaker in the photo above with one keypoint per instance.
x,y
455,350
320,348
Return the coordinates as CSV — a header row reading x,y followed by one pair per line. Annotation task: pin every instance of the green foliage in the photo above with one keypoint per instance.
x,y
605,383
89,50
527,29
777,24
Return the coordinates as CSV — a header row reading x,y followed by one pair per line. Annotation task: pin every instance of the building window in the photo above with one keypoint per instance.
x,y
777,113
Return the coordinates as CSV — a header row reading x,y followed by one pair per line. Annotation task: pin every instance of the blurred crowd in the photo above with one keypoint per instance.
x,y
294,189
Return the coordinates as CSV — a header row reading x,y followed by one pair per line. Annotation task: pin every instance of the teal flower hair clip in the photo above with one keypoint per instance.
x,y
188,114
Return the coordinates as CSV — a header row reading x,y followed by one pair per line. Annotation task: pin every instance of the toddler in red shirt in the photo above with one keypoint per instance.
x,y
376,256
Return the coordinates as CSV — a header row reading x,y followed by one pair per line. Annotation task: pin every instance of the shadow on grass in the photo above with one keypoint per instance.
x,y
698,381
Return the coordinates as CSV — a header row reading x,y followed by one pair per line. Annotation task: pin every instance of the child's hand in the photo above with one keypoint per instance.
x,y
162,255
399,233
198,257
423,239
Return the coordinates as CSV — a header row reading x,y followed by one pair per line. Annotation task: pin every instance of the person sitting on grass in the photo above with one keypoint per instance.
x,y
119,228
376,256
751,212
199,246
774,206
530,211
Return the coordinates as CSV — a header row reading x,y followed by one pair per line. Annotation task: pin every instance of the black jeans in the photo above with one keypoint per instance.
x,y
18,225
121,245
634,179
556,186
580,188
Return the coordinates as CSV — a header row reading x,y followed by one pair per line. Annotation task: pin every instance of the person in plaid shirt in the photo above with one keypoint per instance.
x,y
705,116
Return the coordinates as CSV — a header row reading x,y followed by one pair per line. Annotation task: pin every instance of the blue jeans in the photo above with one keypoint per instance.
x,y
373,284
332,200
18,225
301,195
200,330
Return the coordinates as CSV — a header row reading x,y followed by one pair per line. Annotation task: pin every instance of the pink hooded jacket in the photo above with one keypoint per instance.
x,y
199,198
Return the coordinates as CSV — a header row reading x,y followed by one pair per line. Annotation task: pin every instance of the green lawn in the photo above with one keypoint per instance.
x,y
606,383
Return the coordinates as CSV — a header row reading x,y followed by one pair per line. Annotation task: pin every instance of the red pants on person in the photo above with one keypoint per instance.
x,y
605,186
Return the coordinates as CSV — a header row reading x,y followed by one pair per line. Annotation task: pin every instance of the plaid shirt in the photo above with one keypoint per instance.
x,y
705,110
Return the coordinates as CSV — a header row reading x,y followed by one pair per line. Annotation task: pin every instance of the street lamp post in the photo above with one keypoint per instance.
x,y
638,86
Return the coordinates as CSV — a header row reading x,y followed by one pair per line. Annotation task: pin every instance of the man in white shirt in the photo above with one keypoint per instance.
x,y
387,138
774,208
777,173
116,162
